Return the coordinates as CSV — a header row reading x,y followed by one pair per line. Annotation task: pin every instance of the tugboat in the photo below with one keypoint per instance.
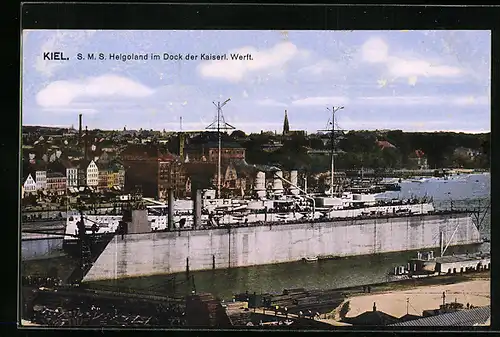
x,y
423,265
426,265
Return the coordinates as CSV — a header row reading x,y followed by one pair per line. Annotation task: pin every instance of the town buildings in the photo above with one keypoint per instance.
x,y
57,177
29,185
209,152
103,177
418,160
141,169
154,170
41,180
71,173
56,183
229,152
92,173
171,175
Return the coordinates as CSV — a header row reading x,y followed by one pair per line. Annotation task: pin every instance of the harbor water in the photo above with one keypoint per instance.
x,y
464,191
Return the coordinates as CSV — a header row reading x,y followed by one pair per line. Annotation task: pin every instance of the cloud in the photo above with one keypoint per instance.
x,y
68,41
471,100
271,60
412,68
271,102
63,93
321,100
70,110
319,68
424,100
375,50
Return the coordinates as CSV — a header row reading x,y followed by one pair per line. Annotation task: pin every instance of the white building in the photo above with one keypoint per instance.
x,y
30,185
92,174
41,180
72,176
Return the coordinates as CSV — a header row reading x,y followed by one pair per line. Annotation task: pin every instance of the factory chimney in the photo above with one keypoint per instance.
x,y
170,209
86,143
182,142
80,129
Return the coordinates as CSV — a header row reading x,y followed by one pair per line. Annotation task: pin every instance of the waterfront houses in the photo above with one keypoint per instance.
x,y
56,183
71,173
41,180
57,177
92,174
29,185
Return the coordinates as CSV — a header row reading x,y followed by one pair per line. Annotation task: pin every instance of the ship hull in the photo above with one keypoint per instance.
x,y
179,251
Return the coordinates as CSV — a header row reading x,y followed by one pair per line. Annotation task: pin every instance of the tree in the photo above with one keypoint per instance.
x,y
295,142
316,143
391,158
238,134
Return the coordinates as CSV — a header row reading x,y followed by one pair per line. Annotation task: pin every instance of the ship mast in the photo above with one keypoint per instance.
x,y
332,141
219,124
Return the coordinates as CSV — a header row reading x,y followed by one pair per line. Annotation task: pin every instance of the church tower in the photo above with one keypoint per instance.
x,y
286,125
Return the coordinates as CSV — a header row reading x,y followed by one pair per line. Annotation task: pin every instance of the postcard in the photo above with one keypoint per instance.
x,y
255,179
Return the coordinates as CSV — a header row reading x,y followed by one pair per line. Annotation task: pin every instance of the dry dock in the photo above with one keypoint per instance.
x,y
173,252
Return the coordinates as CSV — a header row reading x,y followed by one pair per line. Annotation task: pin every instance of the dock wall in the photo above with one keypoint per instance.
x,y
39,246
172,252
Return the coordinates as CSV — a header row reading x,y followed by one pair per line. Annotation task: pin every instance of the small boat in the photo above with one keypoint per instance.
x,y
419,180
311,259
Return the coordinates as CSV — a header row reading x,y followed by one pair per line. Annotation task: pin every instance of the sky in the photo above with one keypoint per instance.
x,y
406,80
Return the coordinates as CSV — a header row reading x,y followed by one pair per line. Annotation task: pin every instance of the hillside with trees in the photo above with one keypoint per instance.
x,y
356,149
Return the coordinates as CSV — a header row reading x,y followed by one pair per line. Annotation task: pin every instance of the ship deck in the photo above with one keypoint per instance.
x,y
347,220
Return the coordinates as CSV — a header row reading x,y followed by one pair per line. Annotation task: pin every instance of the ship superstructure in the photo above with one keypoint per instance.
x,y
272,206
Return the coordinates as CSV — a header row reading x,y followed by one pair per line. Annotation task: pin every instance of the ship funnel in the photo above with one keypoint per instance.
x,y
197,208
260,184
278,183
294,180
170,210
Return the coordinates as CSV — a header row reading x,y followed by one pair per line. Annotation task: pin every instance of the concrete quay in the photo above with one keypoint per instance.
x,y
392,298
173,252
414,301
44,225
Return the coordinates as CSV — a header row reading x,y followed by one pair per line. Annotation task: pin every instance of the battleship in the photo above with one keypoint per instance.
x,y
276,205
241,233
281,223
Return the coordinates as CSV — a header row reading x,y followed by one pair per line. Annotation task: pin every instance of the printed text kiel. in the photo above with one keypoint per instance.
x,y
54,56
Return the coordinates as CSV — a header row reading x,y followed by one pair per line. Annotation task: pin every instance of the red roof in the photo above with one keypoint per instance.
x,y
384,144
167,157
419,153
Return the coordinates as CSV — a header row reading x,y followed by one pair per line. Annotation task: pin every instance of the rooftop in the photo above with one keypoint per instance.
x,y
469,317
224,145
371,318
383,144
55,175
